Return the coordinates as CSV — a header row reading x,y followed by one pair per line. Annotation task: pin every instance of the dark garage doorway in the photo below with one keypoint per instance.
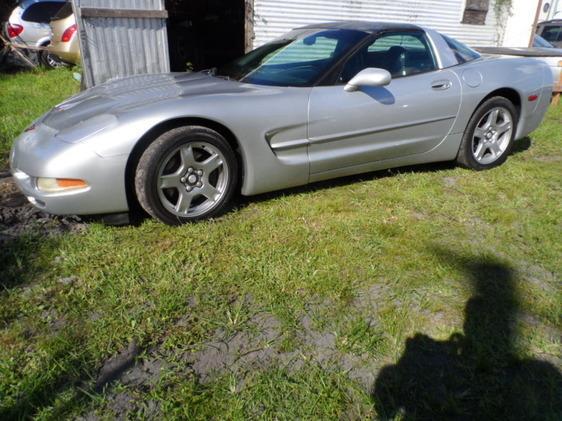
x,y
205,33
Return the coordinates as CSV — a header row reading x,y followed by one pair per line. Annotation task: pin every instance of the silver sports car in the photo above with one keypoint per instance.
x,y
323,101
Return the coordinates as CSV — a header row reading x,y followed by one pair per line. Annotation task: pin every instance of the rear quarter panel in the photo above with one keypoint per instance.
x,y
526,76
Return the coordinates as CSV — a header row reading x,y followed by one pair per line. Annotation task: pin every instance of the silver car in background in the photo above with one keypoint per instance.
x,y
321,102
551,31
28,25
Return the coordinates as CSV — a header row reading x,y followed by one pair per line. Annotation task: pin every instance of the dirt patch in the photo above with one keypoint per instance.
x,y
549,158
18,216
321,347
239,352
121,404
450,181
115,366
145,373
257,345
260,346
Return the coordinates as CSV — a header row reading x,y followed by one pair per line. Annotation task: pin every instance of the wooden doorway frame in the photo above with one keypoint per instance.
x,y
249,25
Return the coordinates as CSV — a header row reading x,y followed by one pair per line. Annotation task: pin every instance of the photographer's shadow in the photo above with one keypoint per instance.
x,y
475,375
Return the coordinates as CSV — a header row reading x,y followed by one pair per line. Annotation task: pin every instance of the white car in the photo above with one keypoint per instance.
x,y
29,25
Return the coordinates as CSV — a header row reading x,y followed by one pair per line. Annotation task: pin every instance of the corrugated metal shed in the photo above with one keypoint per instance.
x,y
272,18
122,38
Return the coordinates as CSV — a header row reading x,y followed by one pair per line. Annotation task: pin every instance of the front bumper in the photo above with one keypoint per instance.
x,y
38,153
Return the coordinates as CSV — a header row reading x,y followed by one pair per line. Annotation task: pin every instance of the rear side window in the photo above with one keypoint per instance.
x,y
42,12
552,33
462,53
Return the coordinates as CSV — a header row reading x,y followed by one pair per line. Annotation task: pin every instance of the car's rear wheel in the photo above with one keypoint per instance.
x,y
187,174
489,137
50,60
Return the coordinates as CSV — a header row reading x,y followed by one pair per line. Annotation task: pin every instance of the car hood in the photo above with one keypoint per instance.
x,y
122,95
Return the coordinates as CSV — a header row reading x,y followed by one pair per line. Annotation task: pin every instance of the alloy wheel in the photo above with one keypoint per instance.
x,y
193,179
492,135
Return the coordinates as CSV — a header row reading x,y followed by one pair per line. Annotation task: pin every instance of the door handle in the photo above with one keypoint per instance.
x,y
441,85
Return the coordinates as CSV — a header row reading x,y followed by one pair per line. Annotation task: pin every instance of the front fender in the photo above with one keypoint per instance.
x,y
269,125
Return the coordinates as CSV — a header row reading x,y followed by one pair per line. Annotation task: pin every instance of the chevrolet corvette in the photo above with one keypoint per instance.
x,y
323,101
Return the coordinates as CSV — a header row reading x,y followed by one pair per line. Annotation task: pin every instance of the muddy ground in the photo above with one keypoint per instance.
x,y
18,217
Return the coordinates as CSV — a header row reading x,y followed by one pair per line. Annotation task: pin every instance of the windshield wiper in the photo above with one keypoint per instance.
x,y
213,72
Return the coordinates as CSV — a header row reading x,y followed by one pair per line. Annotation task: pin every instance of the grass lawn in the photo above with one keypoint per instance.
x,y
430,292
24,97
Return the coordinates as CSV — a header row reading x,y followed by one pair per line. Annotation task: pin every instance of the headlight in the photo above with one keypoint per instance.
x,y
58,185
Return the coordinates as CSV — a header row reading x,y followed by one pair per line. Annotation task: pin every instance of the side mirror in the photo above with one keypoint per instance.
x,y
369,77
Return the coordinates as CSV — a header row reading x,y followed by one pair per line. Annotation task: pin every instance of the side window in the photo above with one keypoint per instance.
x,y
402,54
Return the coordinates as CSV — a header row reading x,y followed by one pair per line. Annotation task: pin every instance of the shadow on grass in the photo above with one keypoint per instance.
x,y
70,380
21,259
476,375
522,145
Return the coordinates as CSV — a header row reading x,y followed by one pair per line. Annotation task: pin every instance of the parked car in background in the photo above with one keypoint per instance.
x,y
551,31
64,39
540,42
28,25
323,101
541,50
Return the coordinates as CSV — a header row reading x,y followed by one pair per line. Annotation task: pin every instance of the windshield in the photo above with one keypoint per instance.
x,y
299,59
552,33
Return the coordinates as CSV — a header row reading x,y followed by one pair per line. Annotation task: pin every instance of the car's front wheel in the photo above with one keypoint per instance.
x,y
187,174
489,137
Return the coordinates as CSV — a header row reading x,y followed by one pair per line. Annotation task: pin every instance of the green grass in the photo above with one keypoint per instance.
x,y
25,96
439,274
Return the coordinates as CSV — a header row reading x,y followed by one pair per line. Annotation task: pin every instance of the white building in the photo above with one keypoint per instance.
x,y
471,21
551,9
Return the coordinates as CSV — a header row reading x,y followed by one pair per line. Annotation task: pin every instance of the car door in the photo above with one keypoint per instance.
x,y
411,115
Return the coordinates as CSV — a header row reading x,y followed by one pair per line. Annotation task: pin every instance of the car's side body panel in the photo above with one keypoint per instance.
x,y
407,117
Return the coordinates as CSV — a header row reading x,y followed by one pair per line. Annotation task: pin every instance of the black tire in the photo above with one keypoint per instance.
x,y
466,157
154,159
51,61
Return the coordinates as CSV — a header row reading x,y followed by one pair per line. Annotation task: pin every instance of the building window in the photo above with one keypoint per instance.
x,y
475,12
